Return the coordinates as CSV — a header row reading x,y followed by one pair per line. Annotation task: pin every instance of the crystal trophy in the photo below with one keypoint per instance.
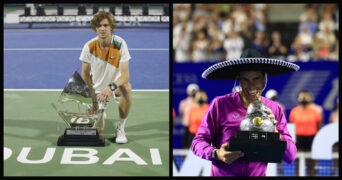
x,y
81,125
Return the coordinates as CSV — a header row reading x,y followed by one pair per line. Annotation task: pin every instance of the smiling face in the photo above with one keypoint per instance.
x,y
252,83
103,29
103,23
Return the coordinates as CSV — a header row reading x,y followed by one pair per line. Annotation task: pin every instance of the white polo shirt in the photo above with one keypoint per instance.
x,y
104,64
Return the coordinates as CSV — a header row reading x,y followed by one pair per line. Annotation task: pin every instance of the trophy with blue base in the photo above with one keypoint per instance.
x,y
256,137
81,125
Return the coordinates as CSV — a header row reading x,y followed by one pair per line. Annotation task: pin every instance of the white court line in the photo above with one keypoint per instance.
x,y
78,49
137,90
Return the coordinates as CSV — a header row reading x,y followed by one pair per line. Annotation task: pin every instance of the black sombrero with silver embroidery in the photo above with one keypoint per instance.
x,y
250,60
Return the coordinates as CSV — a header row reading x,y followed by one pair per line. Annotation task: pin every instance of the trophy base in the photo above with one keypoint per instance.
x,y
81,137
258,146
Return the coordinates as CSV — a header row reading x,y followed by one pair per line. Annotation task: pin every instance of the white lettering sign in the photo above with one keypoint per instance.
x,y
84,156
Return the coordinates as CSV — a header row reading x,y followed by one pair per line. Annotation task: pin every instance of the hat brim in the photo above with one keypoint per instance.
x,y
229,69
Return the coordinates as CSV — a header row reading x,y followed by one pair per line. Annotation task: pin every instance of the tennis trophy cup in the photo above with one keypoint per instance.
x,y
81,125
256,137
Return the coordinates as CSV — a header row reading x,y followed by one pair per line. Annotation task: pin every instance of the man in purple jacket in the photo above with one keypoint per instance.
x,y
223,118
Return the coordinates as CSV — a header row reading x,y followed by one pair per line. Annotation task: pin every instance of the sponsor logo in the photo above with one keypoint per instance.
x,y
84,156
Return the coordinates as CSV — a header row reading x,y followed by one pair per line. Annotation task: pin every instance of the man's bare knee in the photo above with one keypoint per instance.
x,y
126,90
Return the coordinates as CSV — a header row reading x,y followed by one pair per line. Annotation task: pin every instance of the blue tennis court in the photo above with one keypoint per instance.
x,y
45,58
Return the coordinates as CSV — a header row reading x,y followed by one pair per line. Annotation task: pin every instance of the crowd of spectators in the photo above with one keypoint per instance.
x,y
216,32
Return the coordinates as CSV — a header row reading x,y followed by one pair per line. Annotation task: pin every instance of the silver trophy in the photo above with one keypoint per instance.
x,y
81,124
257,137
257,118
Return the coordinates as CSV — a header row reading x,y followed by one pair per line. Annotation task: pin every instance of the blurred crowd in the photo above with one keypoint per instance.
x,y
216,32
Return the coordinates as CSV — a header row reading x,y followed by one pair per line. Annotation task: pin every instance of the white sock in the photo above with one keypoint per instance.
x,y
122,123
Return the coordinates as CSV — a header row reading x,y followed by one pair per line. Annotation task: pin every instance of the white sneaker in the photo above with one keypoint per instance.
x,y
120,136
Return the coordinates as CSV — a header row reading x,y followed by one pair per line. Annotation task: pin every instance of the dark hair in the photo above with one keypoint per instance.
x,y
99,16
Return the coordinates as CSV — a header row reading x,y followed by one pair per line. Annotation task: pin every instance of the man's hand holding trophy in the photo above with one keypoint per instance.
x,y
258,137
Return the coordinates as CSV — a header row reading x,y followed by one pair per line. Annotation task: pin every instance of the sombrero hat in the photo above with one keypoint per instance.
x,y
250,60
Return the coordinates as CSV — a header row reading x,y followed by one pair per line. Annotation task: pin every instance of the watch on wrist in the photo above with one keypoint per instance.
x,y
112,86
214,154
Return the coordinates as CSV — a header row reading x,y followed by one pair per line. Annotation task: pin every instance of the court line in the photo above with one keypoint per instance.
x,y
60,90
78,49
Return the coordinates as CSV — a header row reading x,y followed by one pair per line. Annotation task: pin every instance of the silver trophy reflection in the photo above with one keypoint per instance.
x,y
257,118
257,137
82,125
